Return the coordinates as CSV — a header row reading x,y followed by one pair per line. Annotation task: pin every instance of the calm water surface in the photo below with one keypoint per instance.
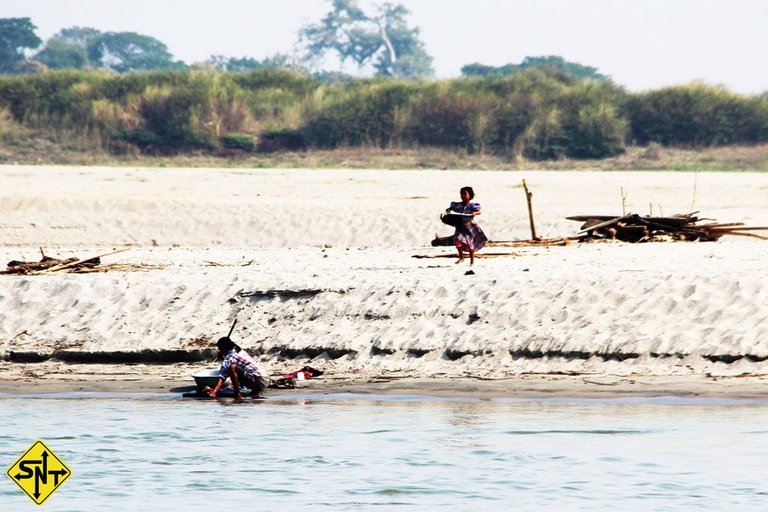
x,y
341,452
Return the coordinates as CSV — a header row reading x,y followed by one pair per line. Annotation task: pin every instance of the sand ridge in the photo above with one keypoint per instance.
x,y
317,267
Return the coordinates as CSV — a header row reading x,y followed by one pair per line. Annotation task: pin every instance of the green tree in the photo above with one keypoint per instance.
x,y
16,35
60,55
552,63
69,48
382,38
129,51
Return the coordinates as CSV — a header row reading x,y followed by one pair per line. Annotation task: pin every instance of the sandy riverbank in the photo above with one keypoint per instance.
x,y
57,378
317,267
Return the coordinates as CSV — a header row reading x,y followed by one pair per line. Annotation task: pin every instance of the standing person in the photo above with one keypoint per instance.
x,y
468,236
241,368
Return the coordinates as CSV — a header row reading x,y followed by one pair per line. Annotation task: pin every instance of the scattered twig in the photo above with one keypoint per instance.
x,y
18,335
695,181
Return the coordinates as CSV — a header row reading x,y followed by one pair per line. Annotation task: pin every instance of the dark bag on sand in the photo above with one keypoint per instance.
x,y
455,219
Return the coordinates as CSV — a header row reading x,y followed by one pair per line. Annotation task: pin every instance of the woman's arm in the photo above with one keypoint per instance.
x,y
453,207
215,390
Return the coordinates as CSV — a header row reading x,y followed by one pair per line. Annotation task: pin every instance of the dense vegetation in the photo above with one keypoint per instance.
x,y
552,62
533,114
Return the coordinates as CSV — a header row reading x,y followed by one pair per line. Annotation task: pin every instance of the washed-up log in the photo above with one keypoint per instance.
x,y
634,228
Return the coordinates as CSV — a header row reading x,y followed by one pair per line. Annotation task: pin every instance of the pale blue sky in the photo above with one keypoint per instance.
x,y
641,44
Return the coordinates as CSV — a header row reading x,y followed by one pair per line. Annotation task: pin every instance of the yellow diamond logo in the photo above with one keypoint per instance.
x,y
38,472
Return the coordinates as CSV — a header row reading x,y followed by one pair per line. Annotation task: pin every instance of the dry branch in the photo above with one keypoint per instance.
x,y
85,261
48,265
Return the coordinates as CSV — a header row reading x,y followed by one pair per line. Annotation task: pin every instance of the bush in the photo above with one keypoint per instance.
x,y
276,78
282,140
141,138
446,118
241,141
695,115
511,117
176,118
368,114
581,122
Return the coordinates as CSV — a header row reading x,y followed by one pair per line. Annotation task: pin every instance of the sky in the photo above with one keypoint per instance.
x,y
640,44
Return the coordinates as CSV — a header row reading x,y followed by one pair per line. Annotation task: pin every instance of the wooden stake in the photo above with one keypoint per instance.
x,y
528,196
623,202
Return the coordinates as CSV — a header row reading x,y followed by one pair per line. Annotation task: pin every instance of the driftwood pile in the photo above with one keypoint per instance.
x,y
48,265
634,228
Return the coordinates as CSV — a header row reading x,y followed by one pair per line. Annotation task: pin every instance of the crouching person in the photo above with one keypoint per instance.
x,y
241,369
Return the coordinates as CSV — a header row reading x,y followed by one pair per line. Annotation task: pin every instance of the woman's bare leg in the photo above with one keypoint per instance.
x,y
471,257
461,255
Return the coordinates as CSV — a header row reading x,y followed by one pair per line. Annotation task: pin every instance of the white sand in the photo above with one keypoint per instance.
x,y
333,250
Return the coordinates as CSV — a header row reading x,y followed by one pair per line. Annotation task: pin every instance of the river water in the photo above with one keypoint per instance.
x,y
347,452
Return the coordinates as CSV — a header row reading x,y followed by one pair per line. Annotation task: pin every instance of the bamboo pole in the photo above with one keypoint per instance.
x,y
528,197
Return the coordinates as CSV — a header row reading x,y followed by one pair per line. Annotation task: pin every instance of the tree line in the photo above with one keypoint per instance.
x,y
378,39
535,113
125,92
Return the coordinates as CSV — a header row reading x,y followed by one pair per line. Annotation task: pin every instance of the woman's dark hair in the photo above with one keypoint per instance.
x,y
469,191
225,344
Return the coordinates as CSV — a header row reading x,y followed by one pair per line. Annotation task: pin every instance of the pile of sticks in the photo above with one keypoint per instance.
x,y
634,228
48,265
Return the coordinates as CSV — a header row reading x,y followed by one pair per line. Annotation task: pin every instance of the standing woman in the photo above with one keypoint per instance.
x,y
468,236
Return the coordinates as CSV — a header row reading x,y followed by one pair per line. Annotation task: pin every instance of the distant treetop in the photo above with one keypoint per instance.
x,y
88,48
382,38
16,35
